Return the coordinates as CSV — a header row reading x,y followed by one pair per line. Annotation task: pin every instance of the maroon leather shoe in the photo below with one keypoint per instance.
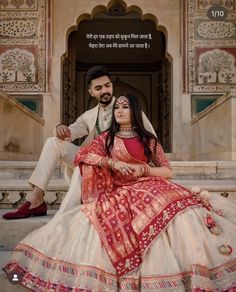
x,y
24,211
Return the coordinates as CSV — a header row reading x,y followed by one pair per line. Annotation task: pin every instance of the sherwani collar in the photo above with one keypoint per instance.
x,y
94,115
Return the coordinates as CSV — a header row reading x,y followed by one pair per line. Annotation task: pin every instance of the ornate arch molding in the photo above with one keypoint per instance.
x,y
118,8
119,5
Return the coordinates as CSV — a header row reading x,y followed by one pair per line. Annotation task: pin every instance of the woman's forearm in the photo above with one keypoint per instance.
x,y
164,172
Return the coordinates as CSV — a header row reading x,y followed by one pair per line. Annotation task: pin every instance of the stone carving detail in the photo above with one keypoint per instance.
x,y
216,29
164,103
50,197
205,4
18,4
17,65
20,28
63,194
14,197
216,66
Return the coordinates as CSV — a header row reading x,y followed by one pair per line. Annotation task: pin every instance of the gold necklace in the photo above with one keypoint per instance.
x,y
126,133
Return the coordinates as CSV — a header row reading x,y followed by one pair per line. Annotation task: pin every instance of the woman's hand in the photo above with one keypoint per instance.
x,y
137,170
162,171
123,167
140,170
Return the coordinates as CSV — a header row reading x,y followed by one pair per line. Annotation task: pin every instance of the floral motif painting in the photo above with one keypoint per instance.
x,y
18,4
205,4
209,48
216,66
213,30
18,28
18,65
24,45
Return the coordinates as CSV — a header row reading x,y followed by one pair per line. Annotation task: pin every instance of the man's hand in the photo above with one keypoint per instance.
x,y
62,132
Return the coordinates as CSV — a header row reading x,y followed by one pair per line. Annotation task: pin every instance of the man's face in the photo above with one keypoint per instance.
x,y
101,88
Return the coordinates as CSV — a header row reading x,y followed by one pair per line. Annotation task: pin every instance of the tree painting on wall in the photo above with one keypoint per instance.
x,y
17,65
216,66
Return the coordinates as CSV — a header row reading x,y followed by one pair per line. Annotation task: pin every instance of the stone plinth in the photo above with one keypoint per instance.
x,y
214,131
21,131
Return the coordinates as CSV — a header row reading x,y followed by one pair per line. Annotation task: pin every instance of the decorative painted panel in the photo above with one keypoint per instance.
x,y
216,66
210,47
213,30
18,64
18,4
23,45
205,4
18,28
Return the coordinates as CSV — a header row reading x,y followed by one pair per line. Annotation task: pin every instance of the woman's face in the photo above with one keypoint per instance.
x,y
122,112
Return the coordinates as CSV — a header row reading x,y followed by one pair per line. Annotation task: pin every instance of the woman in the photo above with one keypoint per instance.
x,y
136,231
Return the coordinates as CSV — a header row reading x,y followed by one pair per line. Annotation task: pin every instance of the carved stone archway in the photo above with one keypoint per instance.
x,y
145,73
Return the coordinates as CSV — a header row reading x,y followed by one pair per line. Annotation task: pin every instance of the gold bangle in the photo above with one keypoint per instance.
x,y
104,162
115,163
111,163
146,170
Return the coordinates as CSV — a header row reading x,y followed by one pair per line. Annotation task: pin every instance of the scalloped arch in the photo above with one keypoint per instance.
x,y
116,2
132,8
115,9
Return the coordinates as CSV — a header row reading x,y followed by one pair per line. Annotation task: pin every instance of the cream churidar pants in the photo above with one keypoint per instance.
x,y
54,150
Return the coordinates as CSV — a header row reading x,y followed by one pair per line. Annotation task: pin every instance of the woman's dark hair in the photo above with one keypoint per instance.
x,y
137,123
96,72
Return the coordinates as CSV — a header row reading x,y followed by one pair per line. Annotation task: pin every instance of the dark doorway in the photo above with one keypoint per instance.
x,y
134,51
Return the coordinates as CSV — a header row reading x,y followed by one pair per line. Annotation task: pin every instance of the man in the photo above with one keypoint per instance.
x,y
60,148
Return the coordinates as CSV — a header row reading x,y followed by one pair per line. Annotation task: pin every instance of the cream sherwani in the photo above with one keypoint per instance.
x,y
56,150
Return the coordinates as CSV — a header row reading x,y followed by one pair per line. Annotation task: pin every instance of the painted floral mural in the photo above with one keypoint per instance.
x,y
17,65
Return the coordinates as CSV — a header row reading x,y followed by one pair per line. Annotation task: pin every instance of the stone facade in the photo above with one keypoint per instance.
x,y
215,140
21,131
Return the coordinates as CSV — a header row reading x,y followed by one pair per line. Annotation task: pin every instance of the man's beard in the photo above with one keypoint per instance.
x,y
105,102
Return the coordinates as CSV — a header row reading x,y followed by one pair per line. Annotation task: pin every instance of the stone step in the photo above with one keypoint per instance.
x,y
22,170
204,169
12,231
223,185
22,184
6,286
61,184
225,188
182,170
13,192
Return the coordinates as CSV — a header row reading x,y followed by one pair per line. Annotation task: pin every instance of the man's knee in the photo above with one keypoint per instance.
x,y
64,149
53,143
50,142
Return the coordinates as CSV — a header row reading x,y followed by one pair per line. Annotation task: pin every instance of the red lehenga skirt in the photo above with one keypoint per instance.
x,y
145,234
195,251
